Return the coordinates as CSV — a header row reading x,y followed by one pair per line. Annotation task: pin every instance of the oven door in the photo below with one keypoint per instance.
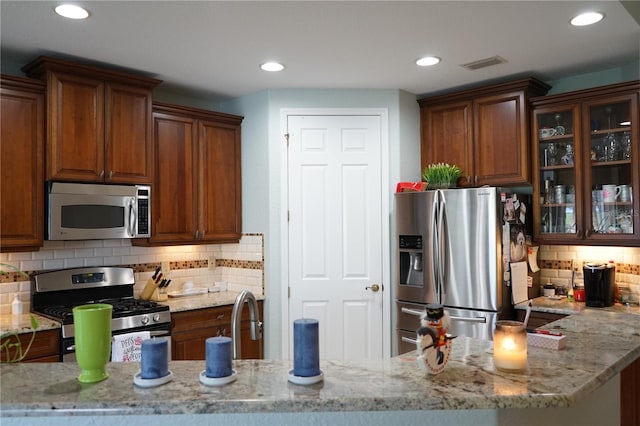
x,y
68,348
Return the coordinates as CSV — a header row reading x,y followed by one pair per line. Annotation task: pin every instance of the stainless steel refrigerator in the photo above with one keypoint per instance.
x,y
449,251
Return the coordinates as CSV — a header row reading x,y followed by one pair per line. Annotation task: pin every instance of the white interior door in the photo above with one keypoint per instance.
x,y
335,232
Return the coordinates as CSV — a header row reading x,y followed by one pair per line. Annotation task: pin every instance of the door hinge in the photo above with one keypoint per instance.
x,y
289,292
288,215
286,137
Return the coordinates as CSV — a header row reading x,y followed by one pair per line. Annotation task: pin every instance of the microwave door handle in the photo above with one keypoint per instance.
x,y
132,217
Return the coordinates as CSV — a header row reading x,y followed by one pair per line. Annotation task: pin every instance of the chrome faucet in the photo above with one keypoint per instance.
x,y
236,317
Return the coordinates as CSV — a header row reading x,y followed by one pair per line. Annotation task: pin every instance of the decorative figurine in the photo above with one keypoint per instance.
x,y
433,342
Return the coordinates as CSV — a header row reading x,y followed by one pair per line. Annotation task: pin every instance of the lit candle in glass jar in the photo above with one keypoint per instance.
x,y
510,346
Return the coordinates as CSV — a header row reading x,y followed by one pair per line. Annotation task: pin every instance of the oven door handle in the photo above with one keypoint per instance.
x,y
156,333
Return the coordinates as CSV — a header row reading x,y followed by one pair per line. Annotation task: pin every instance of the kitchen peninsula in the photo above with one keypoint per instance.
x,y
579,384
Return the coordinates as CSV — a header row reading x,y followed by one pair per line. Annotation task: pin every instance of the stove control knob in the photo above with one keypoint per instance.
x,y
156,317
145,320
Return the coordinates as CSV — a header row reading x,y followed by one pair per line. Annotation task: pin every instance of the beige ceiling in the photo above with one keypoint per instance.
x,y
214,48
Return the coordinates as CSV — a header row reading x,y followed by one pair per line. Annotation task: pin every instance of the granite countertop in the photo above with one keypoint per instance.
x,y
565,307
22,323
200,301
599,345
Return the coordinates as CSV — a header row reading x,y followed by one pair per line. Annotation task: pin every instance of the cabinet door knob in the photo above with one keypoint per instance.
x,y
111,175
588,233
101,174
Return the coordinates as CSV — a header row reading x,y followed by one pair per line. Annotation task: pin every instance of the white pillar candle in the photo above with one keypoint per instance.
x,y
510,346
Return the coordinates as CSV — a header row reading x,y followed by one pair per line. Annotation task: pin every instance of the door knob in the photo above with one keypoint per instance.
x,y
375,288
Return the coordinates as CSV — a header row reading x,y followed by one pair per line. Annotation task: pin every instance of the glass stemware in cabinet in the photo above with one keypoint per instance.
x,y
611,171
557,173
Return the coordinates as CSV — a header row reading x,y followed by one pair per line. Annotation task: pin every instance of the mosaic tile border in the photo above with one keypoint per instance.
x,y
12,277
568,265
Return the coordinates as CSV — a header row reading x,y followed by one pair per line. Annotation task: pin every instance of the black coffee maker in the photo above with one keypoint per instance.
x,y
599,284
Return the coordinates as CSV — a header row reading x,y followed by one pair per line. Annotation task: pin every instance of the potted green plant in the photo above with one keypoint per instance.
x,y
441,175
11,339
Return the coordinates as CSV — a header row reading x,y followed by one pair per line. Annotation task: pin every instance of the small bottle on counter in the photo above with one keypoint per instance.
x,y
16,306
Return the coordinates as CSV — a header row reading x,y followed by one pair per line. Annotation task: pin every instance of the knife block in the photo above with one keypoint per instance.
x,y
159,295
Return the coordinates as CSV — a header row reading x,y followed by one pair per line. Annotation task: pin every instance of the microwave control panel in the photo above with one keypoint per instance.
x,y
143,211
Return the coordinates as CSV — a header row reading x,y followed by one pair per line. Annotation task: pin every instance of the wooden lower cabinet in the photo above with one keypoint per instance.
x,y
45,347
629,377
630,395
538,319
190,330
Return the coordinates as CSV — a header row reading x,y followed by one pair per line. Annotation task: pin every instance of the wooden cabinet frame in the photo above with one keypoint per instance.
x,y
198,184
579,104
98,122
22,155
484,131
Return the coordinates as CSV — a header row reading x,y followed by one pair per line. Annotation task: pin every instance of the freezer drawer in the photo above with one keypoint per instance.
x,y
409,315
406,341
476,324
464,322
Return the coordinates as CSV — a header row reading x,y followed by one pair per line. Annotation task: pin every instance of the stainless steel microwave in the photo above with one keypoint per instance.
x,y
81,211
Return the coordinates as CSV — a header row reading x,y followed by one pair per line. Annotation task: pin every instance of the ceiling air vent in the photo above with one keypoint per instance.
x,y
483,63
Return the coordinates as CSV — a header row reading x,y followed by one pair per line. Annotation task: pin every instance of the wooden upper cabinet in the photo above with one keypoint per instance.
x,y
21,163
99,123
197,187
447,132
484,131
174,202
129,134
220,181
501,139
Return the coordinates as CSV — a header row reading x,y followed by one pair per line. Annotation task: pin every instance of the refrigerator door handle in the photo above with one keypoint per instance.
x,y
407,340
435,244
482,320
412,312
442,247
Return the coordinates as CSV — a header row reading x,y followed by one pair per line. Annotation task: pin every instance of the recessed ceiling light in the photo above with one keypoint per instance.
x,y
272,66
71,11
587,19
427,61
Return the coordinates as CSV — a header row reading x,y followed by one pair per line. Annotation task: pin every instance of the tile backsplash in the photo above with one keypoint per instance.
x,y
240,265
558,263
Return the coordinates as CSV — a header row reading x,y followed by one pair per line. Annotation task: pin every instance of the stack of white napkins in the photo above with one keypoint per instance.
x,y
128,347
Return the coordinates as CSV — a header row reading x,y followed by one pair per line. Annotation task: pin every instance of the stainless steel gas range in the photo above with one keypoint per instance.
x,y
54,294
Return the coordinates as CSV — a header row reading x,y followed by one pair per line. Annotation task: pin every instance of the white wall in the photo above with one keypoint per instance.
x,y
262,168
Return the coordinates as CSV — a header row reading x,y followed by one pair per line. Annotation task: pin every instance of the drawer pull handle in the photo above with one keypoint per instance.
x,y
407,340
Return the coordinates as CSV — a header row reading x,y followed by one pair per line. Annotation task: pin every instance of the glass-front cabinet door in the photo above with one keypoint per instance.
x,y
587,167
559,165
610,175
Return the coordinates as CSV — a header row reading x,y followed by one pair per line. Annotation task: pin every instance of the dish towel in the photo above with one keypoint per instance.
x,y
128,347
